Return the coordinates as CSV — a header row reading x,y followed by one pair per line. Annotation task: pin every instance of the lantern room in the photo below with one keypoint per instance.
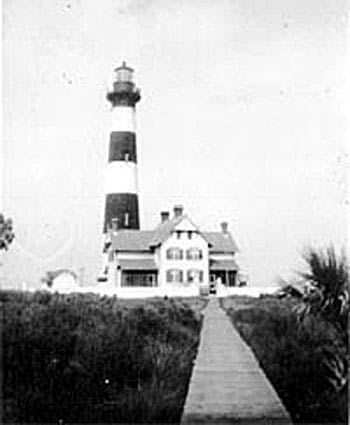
x,y
124,73
124,92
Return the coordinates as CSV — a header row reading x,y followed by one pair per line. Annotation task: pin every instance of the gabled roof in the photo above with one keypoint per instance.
x,y
220,242
145,240
132,240
163,231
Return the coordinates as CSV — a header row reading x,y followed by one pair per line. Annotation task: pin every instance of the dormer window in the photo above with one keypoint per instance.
x,y
174,254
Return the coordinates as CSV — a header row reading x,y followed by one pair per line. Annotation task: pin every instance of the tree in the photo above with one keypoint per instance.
x,y
6,232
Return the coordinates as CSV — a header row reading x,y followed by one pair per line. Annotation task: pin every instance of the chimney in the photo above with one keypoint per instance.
x,y
178,211
164,216
224,227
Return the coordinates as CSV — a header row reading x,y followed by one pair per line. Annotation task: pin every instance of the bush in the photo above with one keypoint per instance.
x,y
296,356
328,276
84,358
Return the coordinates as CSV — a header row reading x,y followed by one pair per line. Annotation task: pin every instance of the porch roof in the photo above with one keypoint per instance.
x,y
223,265
140,264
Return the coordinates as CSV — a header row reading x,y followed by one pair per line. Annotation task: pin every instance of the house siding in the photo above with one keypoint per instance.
x,y
139,246
184,264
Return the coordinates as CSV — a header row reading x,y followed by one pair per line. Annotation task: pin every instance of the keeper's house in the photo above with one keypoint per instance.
x,y
174,259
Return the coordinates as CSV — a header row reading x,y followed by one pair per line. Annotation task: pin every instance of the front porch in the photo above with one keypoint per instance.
x,y
223,272
141,279
224,277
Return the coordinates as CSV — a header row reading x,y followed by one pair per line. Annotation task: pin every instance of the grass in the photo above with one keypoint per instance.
x,y
82,358
294,355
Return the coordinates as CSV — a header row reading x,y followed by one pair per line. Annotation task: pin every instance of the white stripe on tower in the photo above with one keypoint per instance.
x,y
121,172
121,177
123,119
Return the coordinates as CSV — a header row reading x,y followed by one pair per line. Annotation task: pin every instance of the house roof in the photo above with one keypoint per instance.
x,y
223,265
140,264
132,240
55,273
164,230
145,240
220,242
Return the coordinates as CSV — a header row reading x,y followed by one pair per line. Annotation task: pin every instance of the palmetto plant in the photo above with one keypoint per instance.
x,y
327,276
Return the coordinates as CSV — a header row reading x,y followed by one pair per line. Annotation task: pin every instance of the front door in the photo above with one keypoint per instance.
x,y
218,276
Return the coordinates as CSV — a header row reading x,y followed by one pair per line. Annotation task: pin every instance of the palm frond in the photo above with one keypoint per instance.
x,y
328,273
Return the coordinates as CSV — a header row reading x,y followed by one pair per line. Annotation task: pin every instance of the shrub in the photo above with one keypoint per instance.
x,y
295,356
328,275
88,359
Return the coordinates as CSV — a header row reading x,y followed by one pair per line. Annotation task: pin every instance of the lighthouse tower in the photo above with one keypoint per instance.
x,y
121,204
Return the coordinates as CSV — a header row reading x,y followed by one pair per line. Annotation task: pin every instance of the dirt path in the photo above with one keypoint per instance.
x,y
227,383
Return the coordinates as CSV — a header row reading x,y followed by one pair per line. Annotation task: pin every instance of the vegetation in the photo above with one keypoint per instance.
x,y
82,358
301,343
6,232
328,277
294,355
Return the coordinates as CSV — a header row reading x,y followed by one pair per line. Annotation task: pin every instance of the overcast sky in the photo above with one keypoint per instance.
x,y
242,118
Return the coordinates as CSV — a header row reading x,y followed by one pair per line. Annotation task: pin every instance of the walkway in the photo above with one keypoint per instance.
x,y
227,384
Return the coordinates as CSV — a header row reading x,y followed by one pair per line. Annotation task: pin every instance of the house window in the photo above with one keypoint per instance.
x,y
174,275
138,278
194,254
126,219
178,234
189,234
195,275
174,254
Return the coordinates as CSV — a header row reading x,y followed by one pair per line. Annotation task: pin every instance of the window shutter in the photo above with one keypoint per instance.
x,y
110,256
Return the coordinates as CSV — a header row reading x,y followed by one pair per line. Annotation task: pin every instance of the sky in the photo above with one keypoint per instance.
x,y
242,118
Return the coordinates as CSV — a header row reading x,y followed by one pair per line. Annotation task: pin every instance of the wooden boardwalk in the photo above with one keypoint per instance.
x,y
227,384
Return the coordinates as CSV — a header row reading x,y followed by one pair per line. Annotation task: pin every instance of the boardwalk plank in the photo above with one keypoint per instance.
x,y
227,384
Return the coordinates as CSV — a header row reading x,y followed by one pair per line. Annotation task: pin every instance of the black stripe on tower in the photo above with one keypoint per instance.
x,y
125,208
122,146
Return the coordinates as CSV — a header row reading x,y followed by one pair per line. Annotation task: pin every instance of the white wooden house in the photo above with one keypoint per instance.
x,y
174,259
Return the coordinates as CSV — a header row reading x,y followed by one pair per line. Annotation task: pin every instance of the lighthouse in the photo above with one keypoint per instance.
x,y
121,188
